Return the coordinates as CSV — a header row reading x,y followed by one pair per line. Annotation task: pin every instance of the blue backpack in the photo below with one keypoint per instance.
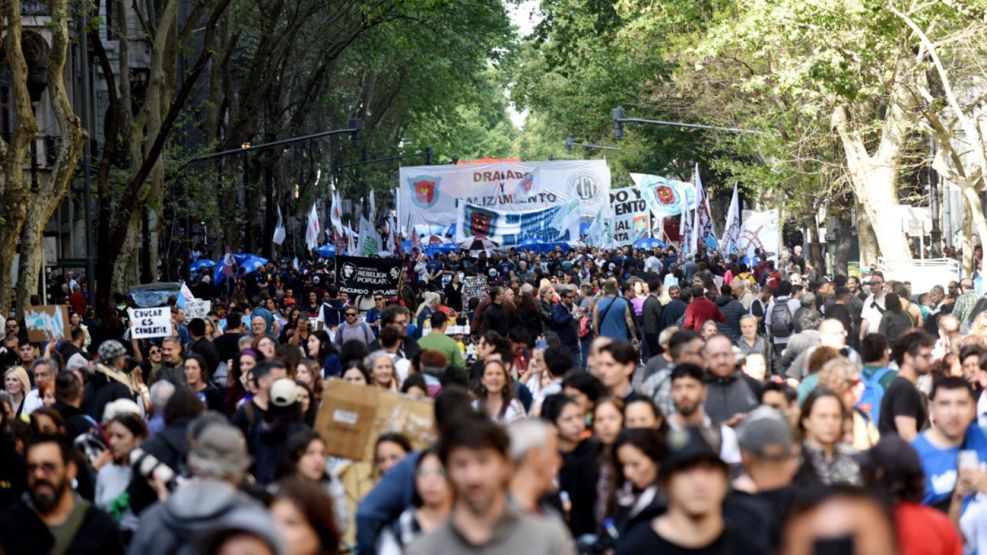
x,y
870,400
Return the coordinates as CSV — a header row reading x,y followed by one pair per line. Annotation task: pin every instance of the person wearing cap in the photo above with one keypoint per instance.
x,y
768,456
695,481
102,389
269,418
209,503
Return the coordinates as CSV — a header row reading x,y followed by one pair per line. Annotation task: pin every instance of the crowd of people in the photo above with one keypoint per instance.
x,y
593,401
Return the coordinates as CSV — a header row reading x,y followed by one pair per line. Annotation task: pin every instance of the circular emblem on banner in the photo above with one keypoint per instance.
x,y
349,270
395,272
585,183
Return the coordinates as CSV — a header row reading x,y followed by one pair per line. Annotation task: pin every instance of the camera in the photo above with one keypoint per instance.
x,y
148,466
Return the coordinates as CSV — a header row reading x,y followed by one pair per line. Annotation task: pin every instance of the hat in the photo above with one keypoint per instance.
x,y
76,362
284,392
118,407
689,446
110,349
219,449
766,434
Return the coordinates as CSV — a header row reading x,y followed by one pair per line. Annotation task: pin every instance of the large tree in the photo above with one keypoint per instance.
x,y
24,213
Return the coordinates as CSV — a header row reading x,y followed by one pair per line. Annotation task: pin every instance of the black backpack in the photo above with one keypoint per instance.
x,y
781,320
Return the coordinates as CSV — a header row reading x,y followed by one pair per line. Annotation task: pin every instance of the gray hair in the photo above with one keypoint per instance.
x,y
666,334
372,358
40,361
527,434
245,342
739,283
218,451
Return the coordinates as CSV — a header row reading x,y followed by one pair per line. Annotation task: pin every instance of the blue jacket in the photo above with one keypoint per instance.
x,y
385,502
564,324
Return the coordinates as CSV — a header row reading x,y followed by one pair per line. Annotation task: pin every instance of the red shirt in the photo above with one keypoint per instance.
x,y
699,311
925,531
78,302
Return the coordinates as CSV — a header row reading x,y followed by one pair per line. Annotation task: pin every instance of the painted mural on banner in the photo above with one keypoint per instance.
x,y
364,276
760,231
428,196
630,215
508,229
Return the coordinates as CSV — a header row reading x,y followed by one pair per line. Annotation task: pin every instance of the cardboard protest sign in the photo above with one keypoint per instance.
x,y
365,276
197,308
147,323
353,416
47,322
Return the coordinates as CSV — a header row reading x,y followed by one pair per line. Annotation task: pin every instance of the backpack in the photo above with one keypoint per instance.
x,y
870,400
781,320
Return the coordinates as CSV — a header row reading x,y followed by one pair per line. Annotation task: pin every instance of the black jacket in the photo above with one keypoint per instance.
x,y
22,531
76,421
101,391
495,318
207,350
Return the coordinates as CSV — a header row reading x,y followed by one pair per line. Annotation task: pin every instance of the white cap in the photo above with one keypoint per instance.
x,y
284,392
118,407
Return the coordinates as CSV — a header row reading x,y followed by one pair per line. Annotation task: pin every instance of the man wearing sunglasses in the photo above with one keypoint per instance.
x,y
873,309
352,328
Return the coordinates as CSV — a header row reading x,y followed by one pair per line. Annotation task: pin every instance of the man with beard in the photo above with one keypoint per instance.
x,y
51,518
475,455
689,397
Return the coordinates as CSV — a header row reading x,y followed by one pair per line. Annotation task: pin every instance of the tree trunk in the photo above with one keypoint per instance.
x,y
843,244
866,239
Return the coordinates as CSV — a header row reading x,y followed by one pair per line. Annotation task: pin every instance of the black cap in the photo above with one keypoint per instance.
x,y
689,446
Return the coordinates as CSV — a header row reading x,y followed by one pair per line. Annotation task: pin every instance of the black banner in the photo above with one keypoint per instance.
x,y
364,276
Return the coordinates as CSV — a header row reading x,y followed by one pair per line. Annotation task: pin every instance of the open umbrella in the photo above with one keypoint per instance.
x,y
327,250
242,257
200,264
435,240
532,244
649,243
478,244
252,263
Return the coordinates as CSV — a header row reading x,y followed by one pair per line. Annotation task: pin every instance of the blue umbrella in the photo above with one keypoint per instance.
x,y
327,250
649,243
531,244
200,264
252,264
243,257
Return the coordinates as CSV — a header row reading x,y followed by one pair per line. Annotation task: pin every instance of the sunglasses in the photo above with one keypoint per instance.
x,y
154,351
353,314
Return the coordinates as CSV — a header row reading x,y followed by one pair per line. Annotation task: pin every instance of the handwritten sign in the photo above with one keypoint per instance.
x,y
147,323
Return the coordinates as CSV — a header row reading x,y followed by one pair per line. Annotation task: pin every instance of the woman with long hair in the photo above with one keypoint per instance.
x,y
430,505
608,421
17,384
895,322
304,519
843,377
266,346
309,373
495,394
304,458
239,382
321,348
825,458
637,455
197,378
580,471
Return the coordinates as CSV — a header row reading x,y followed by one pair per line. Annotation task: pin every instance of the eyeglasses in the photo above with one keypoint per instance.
x,y
154,352
349,314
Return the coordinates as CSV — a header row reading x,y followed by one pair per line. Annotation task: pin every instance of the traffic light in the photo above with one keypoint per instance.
x,y
618,122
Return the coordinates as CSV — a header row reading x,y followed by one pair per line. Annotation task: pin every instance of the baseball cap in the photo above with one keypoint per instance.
x,y
110,349
689,446
284,392
118,407
766,434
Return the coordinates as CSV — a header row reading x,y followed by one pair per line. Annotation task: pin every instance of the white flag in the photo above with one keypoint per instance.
x,y
312,229
279,230
694,229
373,208
336,212
369,244
567,218
731,231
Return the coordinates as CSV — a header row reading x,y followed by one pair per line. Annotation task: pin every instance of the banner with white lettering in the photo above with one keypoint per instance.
x,y
364,276
428,195
147,323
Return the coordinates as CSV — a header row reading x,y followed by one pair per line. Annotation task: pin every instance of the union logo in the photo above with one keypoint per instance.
x,y
425,190
665,194
585,183
528,181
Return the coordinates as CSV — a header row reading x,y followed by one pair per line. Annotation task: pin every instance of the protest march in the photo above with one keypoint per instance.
x,y
491,378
